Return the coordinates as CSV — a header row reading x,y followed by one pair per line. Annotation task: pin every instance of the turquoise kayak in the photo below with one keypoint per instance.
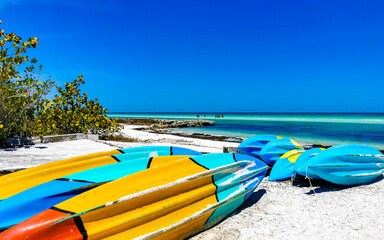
x,y
253,145
273,150
284,167
301,164
348,164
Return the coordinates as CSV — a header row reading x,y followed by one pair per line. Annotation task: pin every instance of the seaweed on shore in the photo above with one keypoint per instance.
x,y
119,138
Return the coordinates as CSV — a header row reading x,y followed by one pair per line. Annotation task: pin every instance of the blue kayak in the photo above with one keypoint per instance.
x,y
273,150
283,169
253,145
348,164
301,164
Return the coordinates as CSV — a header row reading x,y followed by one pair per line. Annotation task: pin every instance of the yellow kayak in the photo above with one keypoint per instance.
x,y
14,183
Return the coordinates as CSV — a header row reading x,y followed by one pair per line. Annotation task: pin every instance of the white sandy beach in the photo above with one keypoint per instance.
x,y
278,210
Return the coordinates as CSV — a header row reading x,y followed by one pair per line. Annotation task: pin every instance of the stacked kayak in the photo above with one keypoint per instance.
x,y
252,146
301,163
143,194
344,164
274,150
16,182
348,164
41,187
284,167
279,153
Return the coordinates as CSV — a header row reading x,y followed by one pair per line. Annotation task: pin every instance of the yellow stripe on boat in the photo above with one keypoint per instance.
x,y
297,145
131,184
152,212
17,182
292,155
188,226
147,213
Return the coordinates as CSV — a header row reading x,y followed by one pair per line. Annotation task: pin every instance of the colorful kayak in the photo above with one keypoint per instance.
x,y
348,164
26,204
301,164
284,167
273,150
170,200
253,145
17,182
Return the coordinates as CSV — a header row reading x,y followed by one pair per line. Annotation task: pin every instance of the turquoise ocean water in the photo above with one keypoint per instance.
x,y
327,128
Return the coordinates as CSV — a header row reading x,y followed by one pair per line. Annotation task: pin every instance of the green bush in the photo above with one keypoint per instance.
x,y
22,91
24,110
73,112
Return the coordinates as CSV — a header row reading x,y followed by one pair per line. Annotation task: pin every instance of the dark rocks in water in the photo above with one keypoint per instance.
x,y
165,123
161,124
316,145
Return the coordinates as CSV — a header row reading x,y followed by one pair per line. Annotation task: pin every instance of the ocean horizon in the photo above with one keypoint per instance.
x,y
321,128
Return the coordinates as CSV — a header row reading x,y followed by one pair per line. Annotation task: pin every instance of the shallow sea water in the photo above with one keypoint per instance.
x,y
327,128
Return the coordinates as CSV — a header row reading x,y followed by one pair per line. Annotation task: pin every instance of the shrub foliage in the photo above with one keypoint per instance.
x,y
21,89
73,112
24,109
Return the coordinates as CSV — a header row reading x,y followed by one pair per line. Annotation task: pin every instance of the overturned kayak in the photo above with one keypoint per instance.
x,y
17,182
253,145
171,200
273,150
28,203
348,164
284,167
301,164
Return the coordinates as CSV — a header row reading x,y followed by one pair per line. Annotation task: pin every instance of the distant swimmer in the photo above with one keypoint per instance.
x,y
222,115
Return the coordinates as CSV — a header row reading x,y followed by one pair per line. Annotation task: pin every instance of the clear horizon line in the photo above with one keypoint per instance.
x,y
218,112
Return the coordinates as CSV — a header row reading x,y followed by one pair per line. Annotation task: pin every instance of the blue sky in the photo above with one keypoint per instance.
x,y
211,56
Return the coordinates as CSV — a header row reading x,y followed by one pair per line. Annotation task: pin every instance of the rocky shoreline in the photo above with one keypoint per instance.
x,y
166,123
162,124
